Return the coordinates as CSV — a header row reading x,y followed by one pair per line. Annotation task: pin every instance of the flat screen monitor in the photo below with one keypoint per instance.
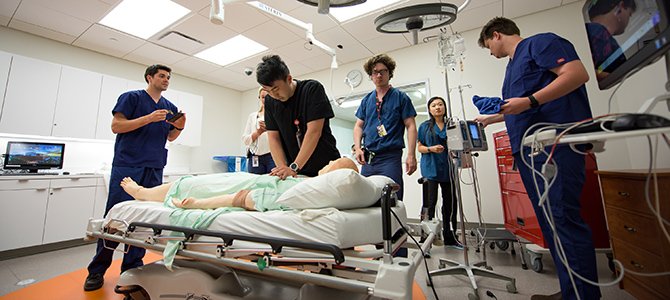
x,y
625,35
33,156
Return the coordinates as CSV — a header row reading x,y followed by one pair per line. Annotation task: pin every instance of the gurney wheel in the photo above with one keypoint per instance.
x,y
492,245
536,264
503,245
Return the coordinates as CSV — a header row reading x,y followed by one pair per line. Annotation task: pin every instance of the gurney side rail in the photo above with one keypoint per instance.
x,y
228,238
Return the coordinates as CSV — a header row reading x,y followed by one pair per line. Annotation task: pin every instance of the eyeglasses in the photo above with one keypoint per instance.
x,y
380,72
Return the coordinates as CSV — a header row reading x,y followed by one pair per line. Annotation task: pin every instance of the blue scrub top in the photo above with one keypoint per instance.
x,y
396,106
145,146
434,166
528,72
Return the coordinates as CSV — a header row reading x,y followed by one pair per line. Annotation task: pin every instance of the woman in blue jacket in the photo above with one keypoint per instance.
x,y
435,169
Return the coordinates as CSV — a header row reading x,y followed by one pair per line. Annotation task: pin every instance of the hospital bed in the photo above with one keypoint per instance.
x,y
308,254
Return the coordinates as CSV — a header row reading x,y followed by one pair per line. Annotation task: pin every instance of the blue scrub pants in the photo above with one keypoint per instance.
x,y
574,234
265,164
388,164
147,177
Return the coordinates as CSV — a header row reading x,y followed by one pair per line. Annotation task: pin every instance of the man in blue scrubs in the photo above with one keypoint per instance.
x,y
544,82
383,117
142,127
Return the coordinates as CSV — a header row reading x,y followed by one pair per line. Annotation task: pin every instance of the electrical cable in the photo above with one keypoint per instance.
x,y
423,255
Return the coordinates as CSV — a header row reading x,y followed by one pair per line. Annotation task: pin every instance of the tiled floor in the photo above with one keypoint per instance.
x,y
48,265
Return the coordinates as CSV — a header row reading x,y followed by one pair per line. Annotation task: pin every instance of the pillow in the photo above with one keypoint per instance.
x,y
341,189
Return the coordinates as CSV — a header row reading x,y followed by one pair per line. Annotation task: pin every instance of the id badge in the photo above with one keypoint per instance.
x,y
381,131
254,161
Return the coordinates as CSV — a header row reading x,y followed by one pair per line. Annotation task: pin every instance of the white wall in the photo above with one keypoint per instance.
x,y
485,74
219,136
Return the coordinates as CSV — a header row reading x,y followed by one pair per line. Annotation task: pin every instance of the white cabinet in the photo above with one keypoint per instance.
x,y
112,88
100,199
30,98
37,210
191,105
77,103
22,209
70,205
5,62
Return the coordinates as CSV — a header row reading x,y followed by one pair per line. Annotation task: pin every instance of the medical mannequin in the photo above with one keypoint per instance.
x,y
544,82
382,118
257,192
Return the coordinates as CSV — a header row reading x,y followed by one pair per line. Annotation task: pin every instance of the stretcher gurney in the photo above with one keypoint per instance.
x,y
231,261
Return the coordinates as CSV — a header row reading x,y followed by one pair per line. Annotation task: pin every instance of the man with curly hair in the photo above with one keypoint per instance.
x,y
383,116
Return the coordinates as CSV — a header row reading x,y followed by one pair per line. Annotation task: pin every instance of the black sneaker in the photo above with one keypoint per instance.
x,y
94,282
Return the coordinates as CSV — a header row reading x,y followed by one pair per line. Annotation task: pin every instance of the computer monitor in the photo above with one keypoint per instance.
x,y
32,156
625,35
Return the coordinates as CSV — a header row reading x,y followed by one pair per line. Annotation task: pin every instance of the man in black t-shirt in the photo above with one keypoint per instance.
x,y
296,119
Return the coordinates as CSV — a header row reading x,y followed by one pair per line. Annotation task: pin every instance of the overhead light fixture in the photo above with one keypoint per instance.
x,y
130,16
324,5
343,14
216,12
416,18
232,50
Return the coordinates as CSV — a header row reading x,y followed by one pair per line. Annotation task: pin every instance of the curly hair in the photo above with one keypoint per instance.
x,y
498,24
380,58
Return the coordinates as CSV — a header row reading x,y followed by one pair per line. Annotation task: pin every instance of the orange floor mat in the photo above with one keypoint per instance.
x,y
70,286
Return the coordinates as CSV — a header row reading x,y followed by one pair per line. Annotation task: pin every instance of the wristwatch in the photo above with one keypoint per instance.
x,y
533,101
294,167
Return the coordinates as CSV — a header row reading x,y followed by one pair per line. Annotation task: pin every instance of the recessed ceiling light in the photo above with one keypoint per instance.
x,y
131,17
232,50
343,14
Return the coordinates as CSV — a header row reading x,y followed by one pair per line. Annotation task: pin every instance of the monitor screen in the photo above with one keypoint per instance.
x,y
33,156
625,35
474,134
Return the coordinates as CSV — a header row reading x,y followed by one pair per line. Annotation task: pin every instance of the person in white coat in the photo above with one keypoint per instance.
x,y
256,139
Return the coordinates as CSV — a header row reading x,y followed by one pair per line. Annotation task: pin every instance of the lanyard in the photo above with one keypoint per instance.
x,y
379,109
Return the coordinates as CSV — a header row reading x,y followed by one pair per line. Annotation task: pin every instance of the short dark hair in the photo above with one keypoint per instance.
x,y
153,69
498,24
380,58
601,7
272,68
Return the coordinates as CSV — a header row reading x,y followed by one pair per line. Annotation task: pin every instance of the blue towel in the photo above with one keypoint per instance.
x,y
487,105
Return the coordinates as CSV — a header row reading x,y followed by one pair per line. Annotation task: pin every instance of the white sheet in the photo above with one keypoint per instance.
x,y
344,229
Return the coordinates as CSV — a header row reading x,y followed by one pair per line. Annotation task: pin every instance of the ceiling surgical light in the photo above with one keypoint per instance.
x,y
325,5
416,18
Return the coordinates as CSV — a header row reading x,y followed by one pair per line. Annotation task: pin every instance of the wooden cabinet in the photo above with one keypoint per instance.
x,y
637,239
30,98
44,209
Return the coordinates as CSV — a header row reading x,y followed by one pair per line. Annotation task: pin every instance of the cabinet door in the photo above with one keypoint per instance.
x,y
5,62
77,103
30,98
112,88
191,105
68,212
22,217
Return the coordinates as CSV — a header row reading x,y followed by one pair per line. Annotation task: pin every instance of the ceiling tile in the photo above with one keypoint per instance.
x,y
150,54
270,34
4,20
239,16
109,41
351,48
8,7
202,29
194,67
363,29
319,62
308,14
386,43
476,18
298,51
48,18
194,5
41,31
250,62
297,69
91,11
